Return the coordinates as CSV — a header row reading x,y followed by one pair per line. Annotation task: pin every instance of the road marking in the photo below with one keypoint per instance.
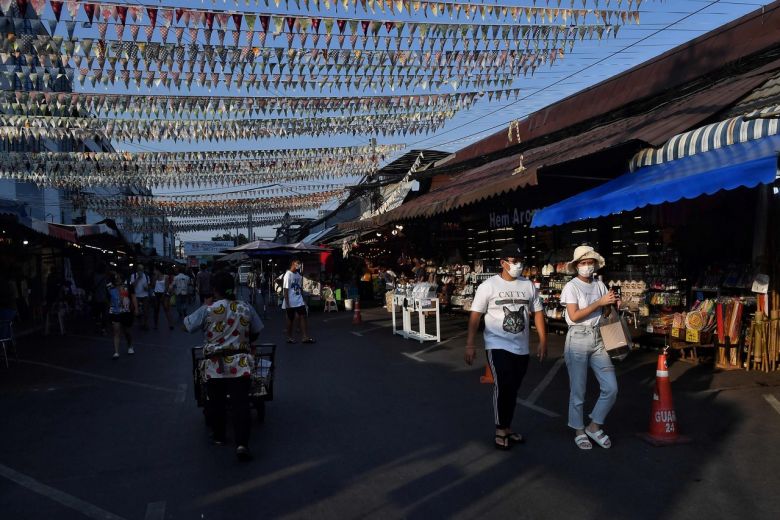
x,y
773,402
537,392
98,376
181,393
85,508
155,511
360,333
545,411
416,355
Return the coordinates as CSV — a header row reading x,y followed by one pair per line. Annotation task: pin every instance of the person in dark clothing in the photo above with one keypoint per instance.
x,y
100,298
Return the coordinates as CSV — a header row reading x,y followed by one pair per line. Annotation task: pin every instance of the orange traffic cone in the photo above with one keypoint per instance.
x,y
663,420
487,379
357,319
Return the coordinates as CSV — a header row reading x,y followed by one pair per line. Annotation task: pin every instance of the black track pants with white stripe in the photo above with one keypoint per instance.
x,y
508,371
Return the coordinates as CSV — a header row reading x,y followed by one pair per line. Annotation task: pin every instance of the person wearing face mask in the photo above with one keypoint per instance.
x,y
585,299
509,302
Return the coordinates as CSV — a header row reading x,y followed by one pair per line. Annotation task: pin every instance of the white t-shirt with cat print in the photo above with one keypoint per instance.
x,y
507,307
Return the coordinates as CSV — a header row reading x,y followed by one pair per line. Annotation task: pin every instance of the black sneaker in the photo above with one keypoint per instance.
x,y
243,454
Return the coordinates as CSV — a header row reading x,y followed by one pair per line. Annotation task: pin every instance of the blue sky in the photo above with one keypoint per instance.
x,y
663,25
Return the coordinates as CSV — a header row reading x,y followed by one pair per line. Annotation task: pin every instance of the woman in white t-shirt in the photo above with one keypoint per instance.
x,y
585,299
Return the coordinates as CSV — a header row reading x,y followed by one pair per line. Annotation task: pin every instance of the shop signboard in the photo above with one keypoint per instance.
x,y
207,247
511,218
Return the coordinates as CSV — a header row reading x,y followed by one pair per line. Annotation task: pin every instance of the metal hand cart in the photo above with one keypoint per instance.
x,y
263,371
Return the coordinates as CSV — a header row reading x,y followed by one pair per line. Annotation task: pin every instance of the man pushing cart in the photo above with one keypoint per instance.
x,y
226,363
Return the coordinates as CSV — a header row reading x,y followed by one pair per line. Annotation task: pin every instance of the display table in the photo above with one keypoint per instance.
x,y
420,306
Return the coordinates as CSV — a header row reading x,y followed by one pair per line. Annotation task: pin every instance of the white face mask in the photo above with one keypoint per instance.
x,y
515,270
586,271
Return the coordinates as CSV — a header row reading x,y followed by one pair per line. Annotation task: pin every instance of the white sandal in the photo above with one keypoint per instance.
x,y
600,438
582,442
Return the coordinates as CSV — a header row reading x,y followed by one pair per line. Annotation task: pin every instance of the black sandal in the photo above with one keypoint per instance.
x,y
516,438
290,341
309,340
502,442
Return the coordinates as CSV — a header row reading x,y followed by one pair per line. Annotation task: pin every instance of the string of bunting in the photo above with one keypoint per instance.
x,y
187,225
152,207
56,52
432,8
362,82
358,154
78,170
423,36
166,21
48,127
90,201
102,105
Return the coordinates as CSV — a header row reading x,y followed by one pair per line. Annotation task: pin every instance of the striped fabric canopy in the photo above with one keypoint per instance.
x,y
747,127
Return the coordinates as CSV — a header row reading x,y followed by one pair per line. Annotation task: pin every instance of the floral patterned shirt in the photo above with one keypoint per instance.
x,y
227,325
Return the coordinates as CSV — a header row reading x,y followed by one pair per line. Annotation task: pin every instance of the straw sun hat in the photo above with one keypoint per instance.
x,y
584,253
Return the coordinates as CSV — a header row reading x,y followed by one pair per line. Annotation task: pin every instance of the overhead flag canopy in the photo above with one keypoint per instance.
x,y
367,69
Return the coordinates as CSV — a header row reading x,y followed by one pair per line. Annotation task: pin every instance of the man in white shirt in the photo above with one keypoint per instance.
x,y
181,285
292,291
508,302
139,285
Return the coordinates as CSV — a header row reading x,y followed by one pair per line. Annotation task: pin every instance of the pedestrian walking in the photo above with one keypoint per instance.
x,y
181,286
120,312
230,326
293,303
162,298
585,299
140,287
56,302
203,283
509,302
100,298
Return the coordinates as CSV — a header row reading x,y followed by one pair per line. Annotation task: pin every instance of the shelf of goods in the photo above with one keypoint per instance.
x,y
719,324
463,294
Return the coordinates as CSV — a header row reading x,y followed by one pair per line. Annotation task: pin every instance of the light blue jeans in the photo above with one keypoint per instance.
x,y
584,347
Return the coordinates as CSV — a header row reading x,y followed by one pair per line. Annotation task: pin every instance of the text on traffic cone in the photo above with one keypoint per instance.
x,y
663,419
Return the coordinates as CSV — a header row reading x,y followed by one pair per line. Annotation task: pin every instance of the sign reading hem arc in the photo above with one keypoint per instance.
x,y
207,247
513,217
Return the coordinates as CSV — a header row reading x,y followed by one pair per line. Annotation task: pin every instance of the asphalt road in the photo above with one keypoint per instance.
x,y
367,425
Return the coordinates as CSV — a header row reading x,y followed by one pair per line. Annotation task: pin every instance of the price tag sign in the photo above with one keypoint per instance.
x,y
650,328
676,332
692,336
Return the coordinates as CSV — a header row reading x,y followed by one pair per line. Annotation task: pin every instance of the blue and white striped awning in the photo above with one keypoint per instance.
x,y
741,129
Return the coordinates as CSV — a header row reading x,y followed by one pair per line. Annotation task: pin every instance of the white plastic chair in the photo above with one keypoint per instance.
x,y
330,301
